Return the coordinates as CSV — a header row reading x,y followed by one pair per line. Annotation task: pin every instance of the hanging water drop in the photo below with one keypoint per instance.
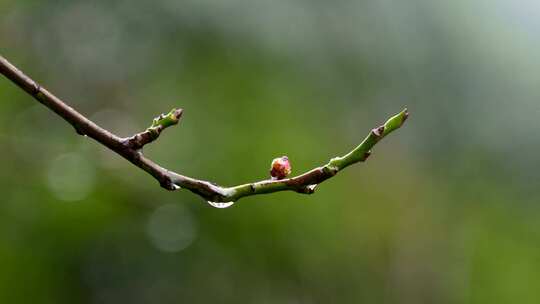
x,y
220,205
176,187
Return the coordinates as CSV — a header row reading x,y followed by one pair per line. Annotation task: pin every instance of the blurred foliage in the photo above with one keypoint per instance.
x,y
457,220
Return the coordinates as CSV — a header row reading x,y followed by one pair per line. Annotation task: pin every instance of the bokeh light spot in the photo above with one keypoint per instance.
x,y
71,177
171,228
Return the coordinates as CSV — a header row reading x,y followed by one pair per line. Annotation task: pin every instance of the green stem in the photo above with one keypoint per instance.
x,y
363,150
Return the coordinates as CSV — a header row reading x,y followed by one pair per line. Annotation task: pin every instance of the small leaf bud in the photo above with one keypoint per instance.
x,y
281,167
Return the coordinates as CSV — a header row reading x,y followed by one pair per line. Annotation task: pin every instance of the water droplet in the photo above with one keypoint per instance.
x,y
176,187
220,205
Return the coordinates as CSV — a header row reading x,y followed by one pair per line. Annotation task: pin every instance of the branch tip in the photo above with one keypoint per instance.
x,y
396,121
151,133
405,115
166,120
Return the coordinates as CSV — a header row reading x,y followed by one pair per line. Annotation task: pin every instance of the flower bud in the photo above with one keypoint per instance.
x,y
280,168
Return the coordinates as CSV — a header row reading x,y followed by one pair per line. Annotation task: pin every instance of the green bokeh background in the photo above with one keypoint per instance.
x,y
446,210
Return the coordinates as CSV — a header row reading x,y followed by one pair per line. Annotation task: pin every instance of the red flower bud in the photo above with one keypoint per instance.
x,y
280,168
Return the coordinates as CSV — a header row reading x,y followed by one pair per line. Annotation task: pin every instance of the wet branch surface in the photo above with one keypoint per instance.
x,y
131,148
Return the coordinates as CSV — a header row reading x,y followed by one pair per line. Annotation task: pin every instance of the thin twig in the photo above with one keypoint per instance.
x,y
131,148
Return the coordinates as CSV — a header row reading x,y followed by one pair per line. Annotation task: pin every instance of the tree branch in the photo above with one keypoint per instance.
x,y
131,148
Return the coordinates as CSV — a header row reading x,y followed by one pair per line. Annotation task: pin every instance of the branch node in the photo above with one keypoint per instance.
x,y
332,167
378,132
309,189
36,88
366,156
79,131
168,184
